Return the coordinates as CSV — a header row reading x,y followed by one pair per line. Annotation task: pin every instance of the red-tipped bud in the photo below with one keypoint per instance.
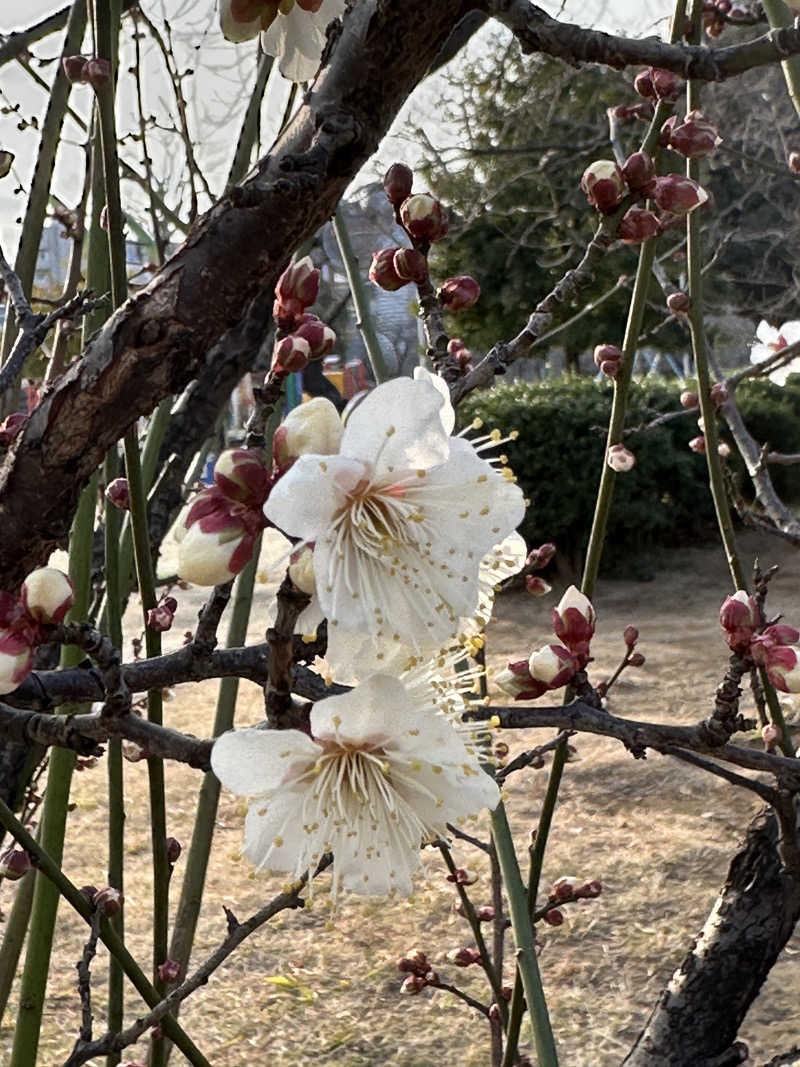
x,y
678,303
739,617
97,72
606,354
689,400
553,665
290,354
603,184
485,914
782,663
321,338
174,849
74,68
296,290
412,984
666,85
639,172
160,618
516,680
620,459
630,635
677,194
458,294
719,394
410,265
636,660
698,444
610,369
382,270
169,971
695,137
14,863
553,917
566,887
241,474
463,957
539,557
424,217
47,595
574,621
666,131
643,84
637,225
118,493
397,183
537,586
108,901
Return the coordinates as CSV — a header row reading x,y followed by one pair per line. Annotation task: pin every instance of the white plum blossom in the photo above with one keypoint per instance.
x,y
771,340
384,770
291,30
400,519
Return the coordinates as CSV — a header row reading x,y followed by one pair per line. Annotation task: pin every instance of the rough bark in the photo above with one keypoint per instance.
x,y
699,1013
154,344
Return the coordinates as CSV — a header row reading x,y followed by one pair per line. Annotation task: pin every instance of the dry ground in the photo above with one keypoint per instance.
x,y
657,834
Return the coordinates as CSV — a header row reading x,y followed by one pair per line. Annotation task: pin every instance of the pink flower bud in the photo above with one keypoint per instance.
x,y
463,957
695,137
620,459
108,901
639,172
564,888
770,735
537,586
677,194
169,971
603,184
739,617
215,537
74,68
666,131
382,271
412,984
14,863
666,85
321,338
397,182
611,370
679,303
118,494
689,400
630,635
290,354
719,394
643,84
554,917
637,225
539,557
241,474
97,72
174,849
484,914
574,621
458,294
517,681
636,660
296,290
606,354
783,667
160,618
47,595
314,427
410,265
698,444
424,217
553,665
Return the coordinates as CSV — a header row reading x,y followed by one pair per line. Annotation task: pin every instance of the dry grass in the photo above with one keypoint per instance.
x,y
657,834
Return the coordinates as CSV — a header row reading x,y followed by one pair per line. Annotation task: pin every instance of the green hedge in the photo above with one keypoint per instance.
x,y
664,500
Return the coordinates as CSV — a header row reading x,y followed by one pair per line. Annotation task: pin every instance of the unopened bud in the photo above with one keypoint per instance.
x,y
459,294
564,888
485,914
630,635
14,863
397,183
636,660
160,618
297,289
553,917
698,444
47,595
321,338
677,194
424,217
666,85
314,427
382,271
536,585
118,493
12,425
637,225
643,84
695,136
603,184
620,459
719,393
411,265
689,400
678,303
132,752
169,971
724,450
666,131
539,557
463,876
639,172
794,162
552,665
412,984
108,901
290,354
770,735
606,354
74,68
174,849
97,72
463,957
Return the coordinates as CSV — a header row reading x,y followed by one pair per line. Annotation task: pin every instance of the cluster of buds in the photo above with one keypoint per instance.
x,y
536,560
217,530
161,617
392,268
303,337
566,890
80,70
657,84
775,647
693,138
608,358
691,401
418,972
716,13
553,666
297,289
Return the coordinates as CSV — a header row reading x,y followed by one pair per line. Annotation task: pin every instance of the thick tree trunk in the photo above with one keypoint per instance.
x,y
699,1013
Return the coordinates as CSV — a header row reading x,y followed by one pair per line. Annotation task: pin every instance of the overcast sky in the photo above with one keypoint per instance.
x,y
217,93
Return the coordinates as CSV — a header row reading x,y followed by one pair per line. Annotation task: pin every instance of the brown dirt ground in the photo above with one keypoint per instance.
x,y
657,834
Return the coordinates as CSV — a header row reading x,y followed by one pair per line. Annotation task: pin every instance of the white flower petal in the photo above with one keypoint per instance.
x,y
298,39
253,762
447,412
232,29
306,498
369,713
767,334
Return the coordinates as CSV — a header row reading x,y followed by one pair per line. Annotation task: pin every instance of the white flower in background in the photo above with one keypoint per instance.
x,y
292,30
384,771
400,519
770,341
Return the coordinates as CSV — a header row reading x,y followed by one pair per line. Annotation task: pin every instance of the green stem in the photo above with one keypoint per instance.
x,y
778,15
358,291
534,874
14,938
54,811
70,892
527,964
250,123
